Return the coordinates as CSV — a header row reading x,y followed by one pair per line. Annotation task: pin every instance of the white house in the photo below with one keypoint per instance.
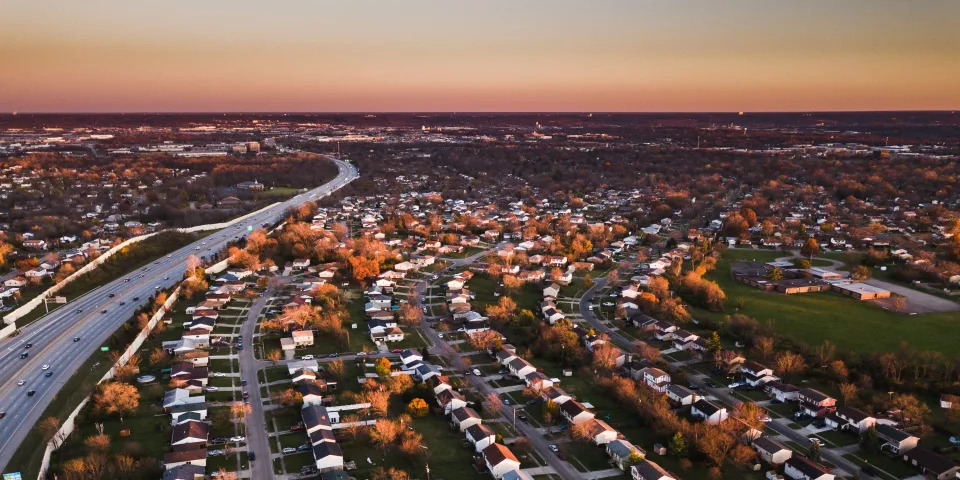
x,y
499,460
772,451
800,468
480,436
647,470
708,412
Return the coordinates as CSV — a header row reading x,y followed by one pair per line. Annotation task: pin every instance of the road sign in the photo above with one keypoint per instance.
x,y
104,349
12,476
60,299
249,228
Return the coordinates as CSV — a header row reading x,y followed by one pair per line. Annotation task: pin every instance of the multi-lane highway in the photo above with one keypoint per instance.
x,y
65,338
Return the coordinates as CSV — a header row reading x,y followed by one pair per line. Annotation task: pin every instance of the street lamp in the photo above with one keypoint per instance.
x,y
428,471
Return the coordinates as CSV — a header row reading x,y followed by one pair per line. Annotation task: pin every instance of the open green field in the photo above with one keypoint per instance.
x,y
815,317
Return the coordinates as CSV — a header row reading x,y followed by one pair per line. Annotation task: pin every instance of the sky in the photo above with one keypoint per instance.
x,y
493,55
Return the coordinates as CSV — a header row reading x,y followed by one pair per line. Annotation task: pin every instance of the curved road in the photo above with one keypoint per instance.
x,y
54,336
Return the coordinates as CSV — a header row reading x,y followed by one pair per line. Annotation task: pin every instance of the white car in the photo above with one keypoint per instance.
x,y
45,367
238,439
219,374
289,450
553,448
306,357
22,383
210,389
361,354
608,304
476,371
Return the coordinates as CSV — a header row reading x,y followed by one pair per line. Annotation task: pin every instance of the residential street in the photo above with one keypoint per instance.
x,y
256,431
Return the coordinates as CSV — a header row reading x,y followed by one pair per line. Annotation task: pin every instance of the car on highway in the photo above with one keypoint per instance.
x,y
112,295
48,374
103,311
24,355
76,339
27,345
45,367
31,393
166,278
123,303
22,383
3,414
126,280
135,299
79,310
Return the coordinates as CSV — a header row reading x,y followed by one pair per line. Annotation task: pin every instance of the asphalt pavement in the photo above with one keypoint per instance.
x,y
66,337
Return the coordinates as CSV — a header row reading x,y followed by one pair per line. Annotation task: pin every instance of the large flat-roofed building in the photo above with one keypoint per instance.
x,y
861,291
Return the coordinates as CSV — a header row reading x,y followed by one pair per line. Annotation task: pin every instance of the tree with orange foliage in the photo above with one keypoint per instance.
x,y
117,398
363,268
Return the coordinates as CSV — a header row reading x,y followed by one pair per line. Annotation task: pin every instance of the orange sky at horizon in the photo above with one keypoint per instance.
x,y
111,56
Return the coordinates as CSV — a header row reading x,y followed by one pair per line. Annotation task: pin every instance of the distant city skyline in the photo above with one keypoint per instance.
x,y
421,56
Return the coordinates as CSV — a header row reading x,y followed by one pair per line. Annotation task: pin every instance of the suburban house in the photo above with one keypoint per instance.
x,y
575,412
315,418
480,436
450,400
599,432
499,460
708,412
800,468
655,378
551,291
193,456
328,456
647,470
895,440
555,395
772,451
756,374
783,392
302,338
185,471
849,418
931,464
619,451
190,433
464,417
521,368
681,395
816,403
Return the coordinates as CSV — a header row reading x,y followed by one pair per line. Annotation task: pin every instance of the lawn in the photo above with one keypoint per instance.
x,y
848,323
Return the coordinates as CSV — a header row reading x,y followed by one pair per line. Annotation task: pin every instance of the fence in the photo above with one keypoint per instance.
x,y
68,424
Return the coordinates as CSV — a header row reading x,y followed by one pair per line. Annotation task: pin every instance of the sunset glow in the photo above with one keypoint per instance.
x,y
114,56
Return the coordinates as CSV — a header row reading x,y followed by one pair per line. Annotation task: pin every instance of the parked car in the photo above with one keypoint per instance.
x,y
210,389
251,456
306,357
476,371
813,439
238,439
303,448
553,448
288,450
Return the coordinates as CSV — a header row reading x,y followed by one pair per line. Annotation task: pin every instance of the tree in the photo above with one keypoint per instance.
x,y
97,443
410,315
788,363
810,247
411,444
714,346
273,355
336,368
677,445
384,432
389,474
550,411
158,357
383,367
48,428
814,452
869,440
379,401
775,274
860,272
511,283
849,393
117,398
240,410
417,407
287,398
485,339
763,346
605,357
494,403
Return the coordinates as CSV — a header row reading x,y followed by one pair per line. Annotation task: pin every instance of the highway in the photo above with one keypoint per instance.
x,y
66,337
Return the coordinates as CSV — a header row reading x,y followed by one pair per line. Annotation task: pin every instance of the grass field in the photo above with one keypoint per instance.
x,y
815,317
